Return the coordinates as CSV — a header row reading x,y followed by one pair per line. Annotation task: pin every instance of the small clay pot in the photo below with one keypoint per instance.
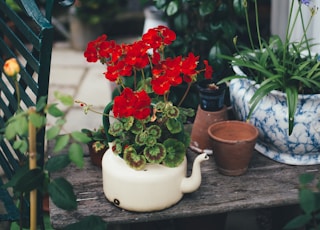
x,y
96,156
200,140
233,144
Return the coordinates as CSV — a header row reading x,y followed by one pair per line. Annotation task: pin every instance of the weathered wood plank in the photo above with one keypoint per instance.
x,y
266,184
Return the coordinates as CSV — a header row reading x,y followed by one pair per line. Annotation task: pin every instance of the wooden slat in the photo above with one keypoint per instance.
x,y
266,184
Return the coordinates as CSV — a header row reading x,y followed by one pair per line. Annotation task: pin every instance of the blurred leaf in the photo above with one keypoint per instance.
x,y
57,163
61,142
306,178
53,132
16,177
65,99
21,145
41,104
62,195
307,200
54,110
76,154
80,136
37,120
206,7
298,222
32,179
172,8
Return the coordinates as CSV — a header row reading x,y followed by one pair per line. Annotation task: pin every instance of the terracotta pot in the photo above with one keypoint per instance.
x,y
233,144
200,140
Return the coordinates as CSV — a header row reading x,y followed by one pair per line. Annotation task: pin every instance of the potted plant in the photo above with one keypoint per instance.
x,y
98,144
148,143
280,73
31,179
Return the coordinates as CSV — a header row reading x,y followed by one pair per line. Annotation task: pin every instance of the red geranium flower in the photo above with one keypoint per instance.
x,y
130,103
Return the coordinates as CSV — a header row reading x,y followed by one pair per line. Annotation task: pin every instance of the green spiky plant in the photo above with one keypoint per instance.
x,y
287,66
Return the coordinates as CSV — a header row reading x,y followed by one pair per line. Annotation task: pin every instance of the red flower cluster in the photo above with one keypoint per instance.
x,y
130,103
123,60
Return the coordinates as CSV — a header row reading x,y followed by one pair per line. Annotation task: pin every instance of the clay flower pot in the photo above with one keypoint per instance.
x,y
210,110
233,144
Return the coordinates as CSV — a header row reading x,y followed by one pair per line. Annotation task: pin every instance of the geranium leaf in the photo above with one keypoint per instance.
x,y
133,159
62,195
155,154
176,152
174,126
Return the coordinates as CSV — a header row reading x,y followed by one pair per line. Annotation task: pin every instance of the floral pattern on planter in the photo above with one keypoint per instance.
x,y
302,147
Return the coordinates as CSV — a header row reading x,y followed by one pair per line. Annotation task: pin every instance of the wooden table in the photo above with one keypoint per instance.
x,y
266,184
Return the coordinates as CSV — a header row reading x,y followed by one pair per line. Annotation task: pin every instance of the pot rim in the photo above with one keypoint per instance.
x,y
226,124
279,93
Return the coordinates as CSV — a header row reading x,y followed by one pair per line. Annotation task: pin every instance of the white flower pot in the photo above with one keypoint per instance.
x,y
155,188
302,147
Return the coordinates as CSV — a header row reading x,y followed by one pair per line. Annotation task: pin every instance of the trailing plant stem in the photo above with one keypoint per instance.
x,y
185,94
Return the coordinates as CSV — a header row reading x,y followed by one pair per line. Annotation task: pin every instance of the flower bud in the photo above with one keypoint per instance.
x,y
11,67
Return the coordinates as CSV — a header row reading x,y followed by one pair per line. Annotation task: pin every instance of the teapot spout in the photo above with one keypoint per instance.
x,y
192,183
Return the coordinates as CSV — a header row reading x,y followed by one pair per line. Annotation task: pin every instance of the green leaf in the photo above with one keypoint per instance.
x,y
176,152
61,142
292,101
155,153
62,195
65,99
32,179
89,222
41,104
10,132
76,154
298,222
306,178
80,137
21,145
37,120
173,125
55,111
16,177
53,132
172,8
206,7
57,163
307,201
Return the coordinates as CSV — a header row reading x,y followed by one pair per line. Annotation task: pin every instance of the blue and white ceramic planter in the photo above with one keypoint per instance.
x,y
302,147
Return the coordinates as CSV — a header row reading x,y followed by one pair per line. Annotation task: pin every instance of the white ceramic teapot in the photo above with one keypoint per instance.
x,y
155,188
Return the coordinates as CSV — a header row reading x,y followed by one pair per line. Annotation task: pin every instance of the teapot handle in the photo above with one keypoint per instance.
x,y
106,121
